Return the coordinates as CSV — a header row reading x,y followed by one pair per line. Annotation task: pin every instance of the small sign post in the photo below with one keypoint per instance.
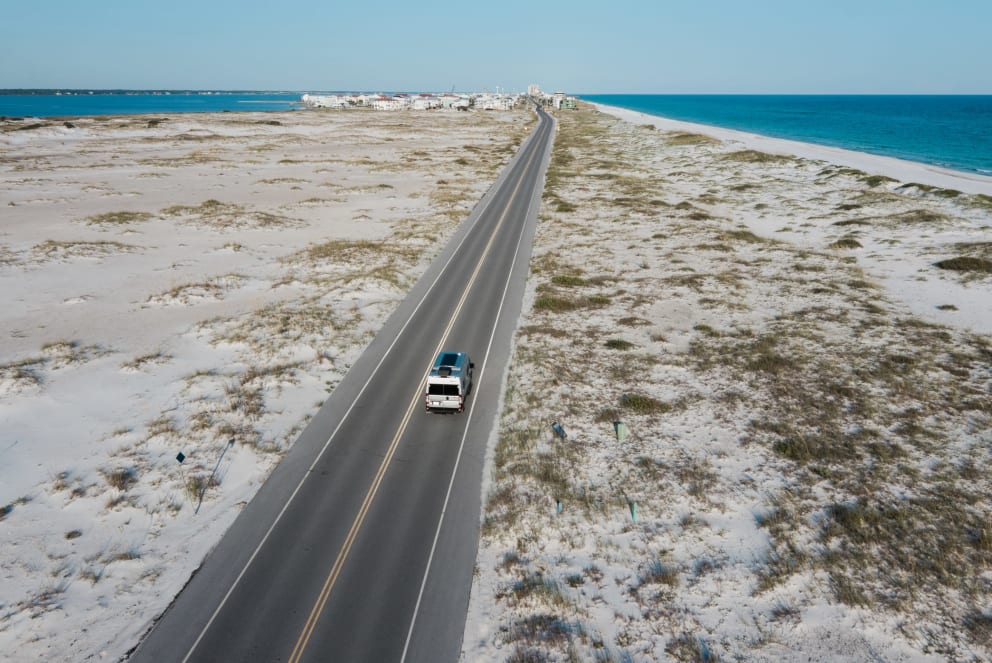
x,y
180,457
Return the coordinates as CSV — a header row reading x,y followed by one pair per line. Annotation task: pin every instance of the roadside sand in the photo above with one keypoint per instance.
x,y
799,349
173,282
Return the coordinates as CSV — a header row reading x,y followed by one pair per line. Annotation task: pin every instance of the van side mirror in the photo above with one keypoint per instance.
x,y
471,365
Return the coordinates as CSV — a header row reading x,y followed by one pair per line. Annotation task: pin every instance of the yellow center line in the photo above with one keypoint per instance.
x,y
332,576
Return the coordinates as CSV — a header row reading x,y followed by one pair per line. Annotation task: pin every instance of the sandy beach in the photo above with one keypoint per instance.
x,y
796,341
905,171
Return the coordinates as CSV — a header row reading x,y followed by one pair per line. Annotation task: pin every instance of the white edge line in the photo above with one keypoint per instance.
x,y
461,446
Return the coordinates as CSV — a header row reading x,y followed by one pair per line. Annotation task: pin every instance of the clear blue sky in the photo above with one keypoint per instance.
x,y
646,46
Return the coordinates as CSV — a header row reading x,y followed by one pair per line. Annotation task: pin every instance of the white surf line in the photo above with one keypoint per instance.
x,y
461,446
327,444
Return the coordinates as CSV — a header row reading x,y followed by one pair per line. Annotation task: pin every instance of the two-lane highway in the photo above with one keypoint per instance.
x,y
361,545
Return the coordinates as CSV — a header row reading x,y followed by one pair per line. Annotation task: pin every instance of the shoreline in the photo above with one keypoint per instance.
x,y
901,169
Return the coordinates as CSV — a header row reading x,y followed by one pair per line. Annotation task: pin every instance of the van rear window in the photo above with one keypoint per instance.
x,y
442,389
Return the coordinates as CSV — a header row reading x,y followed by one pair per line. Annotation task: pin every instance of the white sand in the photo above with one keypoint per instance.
x,y
160,296
740,293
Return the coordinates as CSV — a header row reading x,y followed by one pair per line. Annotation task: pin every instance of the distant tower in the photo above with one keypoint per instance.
x,y
534,90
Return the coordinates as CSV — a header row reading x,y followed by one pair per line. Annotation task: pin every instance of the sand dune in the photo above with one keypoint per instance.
x,y
170,283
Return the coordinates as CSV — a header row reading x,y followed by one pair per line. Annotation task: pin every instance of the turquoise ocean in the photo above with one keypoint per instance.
x,y
949,131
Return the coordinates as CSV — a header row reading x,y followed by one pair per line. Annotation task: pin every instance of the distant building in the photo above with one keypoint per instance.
x,y
382,102
425,102
534,90
420,101
561,100
488,101
324,101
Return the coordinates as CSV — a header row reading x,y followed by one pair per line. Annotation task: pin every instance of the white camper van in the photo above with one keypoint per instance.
x,y
449,382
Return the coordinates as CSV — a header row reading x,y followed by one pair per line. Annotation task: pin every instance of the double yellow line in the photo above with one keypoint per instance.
x,y
332,576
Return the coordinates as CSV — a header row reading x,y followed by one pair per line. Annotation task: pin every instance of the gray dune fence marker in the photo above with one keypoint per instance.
x,y
203,488
621,430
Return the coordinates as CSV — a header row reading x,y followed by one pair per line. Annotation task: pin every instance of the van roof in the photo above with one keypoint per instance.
x,y
453,361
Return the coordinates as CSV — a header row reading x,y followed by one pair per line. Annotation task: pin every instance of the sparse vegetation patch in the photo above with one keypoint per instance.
x,y
965,264
754,156
122,218
779,395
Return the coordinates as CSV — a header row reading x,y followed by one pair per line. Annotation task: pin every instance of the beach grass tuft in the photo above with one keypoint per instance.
x,y
689,138
569,280
917,217
558,304
845,243
643,404
64,250
690,648
121,218
981,200
965,264
875,180
121,478
755,156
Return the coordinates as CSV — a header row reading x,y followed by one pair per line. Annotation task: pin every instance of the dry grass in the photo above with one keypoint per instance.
x,y
845,243
688,138
219,215
966,264
863,430
64,250
121,478
121,218
754,156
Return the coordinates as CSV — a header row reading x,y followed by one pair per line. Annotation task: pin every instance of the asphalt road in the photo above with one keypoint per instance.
x,y
362,543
